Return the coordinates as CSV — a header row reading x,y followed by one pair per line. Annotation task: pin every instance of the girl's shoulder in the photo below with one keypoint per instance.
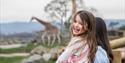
x,y
101,56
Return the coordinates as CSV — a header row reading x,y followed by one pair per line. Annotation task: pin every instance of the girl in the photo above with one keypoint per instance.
x,y
102,38
83,46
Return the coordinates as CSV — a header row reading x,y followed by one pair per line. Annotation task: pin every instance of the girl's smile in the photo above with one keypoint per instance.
x,y
76,29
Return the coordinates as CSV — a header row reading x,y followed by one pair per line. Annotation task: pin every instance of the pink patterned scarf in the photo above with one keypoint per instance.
x,y
81,53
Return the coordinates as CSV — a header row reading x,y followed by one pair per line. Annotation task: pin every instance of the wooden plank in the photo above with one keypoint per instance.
x,y
117,43
117,57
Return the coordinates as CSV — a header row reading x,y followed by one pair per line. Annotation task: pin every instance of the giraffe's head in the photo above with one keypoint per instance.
x,y
32,18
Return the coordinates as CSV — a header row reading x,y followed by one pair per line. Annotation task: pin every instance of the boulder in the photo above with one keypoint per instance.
x,y
32,59
39,50
47,56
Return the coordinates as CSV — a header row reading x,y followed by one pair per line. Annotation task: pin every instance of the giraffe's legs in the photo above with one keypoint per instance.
x,y
54,38
49,37
58,37
43,37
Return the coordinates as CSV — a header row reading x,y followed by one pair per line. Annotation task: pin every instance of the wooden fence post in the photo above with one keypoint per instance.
x,y
117,57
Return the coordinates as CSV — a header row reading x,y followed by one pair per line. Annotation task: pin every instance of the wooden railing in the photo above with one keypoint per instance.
x,y
117,57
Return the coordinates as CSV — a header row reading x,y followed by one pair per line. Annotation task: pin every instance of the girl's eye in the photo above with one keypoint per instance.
x,y
81,23
75,21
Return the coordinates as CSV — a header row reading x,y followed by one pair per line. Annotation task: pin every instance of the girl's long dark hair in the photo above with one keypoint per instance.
x,y
89,19
102,38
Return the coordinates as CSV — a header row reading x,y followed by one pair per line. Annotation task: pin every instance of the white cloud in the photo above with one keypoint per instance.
x,y
22,10
114,9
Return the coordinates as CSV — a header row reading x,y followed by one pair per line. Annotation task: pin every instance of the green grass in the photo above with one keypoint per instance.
x,y
52,61
11,59
26,49
52,46
17,60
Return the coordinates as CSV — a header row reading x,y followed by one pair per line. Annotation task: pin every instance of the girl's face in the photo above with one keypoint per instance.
x,y
78,27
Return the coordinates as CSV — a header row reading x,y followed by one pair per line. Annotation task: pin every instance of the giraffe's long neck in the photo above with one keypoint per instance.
x,y
42,22
46,24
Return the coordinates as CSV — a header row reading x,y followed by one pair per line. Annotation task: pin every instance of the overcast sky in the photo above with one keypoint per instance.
x,y
22,10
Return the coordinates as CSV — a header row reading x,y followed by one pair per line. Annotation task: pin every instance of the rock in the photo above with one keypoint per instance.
x,y
54,53
32,59
39,50
47,53
47,56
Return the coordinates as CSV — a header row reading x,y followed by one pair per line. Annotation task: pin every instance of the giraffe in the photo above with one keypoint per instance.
x,y
50,31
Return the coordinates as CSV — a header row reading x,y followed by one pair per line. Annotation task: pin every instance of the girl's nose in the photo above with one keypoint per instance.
x,y
76,24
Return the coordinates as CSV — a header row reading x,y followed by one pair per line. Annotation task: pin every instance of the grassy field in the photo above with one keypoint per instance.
x,y
26,49
17,60
11,59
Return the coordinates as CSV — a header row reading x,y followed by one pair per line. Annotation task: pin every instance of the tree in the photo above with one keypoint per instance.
x,y
57,10
62,10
